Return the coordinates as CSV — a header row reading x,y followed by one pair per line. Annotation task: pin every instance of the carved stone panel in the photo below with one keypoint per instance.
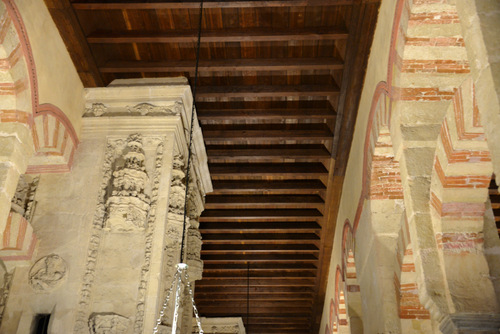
x,y
220,326
47,273
108,323
23,201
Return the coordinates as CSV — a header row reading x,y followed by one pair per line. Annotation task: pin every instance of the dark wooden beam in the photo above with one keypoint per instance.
x,y
261,274
262,152
239,303
261,266
220,215
281,170
268,187
119,5
264,132
306,105
259,227
266,91
260,238
263,114
221,65
221,311
264,201
72,34
217,36
254,289
256,248
234,258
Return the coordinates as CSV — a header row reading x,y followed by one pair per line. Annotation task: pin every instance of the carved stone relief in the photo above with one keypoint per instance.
x,y
121,154
108,323
97,109
220,326
47,273
23,201
128,205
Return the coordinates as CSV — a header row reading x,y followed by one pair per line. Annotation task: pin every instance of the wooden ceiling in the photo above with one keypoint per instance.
x,y
279,86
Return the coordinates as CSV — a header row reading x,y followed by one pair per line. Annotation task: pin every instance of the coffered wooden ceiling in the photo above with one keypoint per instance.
x,y
278,92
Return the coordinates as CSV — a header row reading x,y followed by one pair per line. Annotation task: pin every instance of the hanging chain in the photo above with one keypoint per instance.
x,y
165,304
182,268
195,310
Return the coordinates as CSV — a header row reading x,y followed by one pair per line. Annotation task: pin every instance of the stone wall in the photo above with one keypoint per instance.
x,y
106,247
413,246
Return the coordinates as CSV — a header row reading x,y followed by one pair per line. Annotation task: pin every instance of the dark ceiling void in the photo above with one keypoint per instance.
x,y
279,87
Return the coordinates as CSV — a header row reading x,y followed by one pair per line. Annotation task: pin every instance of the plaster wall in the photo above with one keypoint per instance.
x,y
351,192
58,81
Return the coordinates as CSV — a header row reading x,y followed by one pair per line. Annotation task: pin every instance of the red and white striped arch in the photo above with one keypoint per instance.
x,y
54,137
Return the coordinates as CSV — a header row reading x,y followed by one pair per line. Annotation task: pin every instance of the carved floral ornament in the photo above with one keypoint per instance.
x,y
47,273
141,109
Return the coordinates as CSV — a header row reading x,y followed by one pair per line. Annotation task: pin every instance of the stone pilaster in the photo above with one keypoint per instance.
x,y
135,239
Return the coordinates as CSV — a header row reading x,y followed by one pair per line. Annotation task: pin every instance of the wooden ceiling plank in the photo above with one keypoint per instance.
x,y
254,289
263,114
255,282
220,215
206,227
236,152
266,91
217,36
283,169
221,65
262,266
119,5
268,187
259,273
264,199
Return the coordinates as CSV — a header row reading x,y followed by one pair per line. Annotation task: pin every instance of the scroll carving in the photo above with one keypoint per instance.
x,y
150,110
141,109
175,221
108,323
128,206
4,293
47,273
139,319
